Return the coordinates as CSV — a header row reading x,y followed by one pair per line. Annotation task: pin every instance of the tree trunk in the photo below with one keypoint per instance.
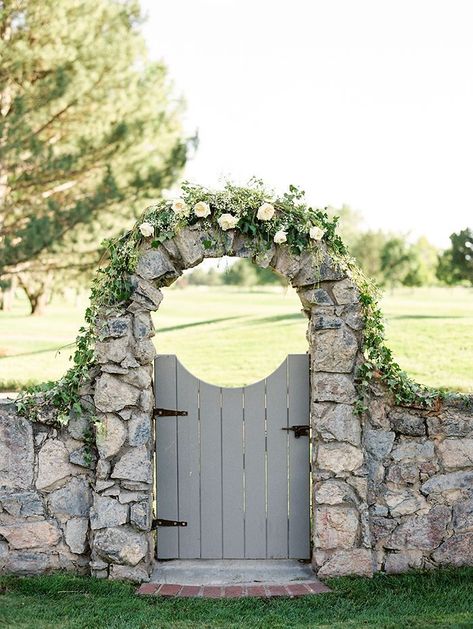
x,y
8,295
38,303
38,290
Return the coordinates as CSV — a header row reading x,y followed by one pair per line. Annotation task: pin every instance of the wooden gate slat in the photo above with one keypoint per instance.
x,y
188,463
277,453
255,473
232,478
166,447
211,471
299,471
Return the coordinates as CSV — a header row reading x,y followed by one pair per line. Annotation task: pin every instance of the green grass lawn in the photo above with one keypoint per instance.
x,y
432,599
233,337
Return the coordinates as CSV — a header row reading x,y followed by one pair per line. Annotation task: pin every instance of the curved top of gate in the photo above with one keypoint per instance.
x,y
283,366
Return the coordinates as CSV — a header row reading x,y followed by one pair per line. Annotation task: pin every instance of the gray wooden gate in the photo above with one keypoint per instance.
x,y
232,468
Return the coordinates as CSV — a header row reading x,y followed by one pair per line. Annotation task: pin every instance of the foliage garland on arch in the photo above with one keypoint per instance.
x,y
267,218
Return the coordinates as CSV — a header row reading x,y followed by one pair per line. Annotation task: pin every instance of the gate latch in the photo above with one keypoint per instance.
x,y
299,431
167,412
163,522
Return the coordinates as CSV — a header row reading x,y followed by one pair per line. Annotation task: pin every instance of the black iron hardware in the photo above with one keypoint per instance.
x,y
167,412
299,431
162,522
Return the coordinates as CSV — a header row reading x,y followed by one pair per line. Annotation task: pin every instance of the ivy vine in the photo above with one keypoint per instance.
x,y
292,216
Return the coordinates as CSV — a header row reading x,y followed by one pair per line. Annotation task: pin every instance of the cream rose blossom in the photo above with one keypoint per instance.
x,y
265,212
280,236
227,221
146,229
316,233
179,207
202,209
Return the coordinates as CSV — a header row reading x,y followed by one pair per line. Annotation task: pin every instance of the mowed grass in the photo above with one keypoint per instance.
x,y
433,599
232,337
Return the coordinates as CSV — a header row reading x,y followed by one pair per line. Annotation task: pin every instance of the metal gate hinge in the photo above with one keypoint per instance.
x,y
299,431
167,412
163,522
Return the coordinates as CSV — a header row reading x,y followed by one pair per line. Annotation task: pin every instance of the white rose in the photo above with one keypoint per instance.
x,y
265,212
201,209
227,221
280,236
180,208
316,233
146,229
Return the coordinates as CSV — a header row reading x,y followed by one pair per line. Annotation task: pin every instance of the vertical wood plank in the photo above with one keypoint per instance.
x,y
188,464
211,471
166,456
299,470
277,453
255,498
232,473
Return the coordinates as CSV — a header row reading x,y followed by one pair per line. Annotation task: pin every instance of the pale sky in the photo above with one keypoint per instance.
x,y
364,102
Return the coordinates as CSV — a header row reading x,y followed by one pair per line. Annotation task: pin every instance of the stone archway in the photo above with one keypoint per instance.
x,y
122,511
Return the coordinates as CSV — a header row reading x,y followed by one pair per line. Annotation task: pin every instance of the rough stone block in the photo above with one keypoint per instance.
x,y
333,492
143,327
424,532
144,351
358,561
345,292
134,465
53,464
337,422
111,394
140,515
111,435
114,350
31,534
334,350
137,574
155,264
456,453
407,423
332,387
463,516
121,545
16,449
414,451
139,430
339,457
336,527
76,534
145,294
379,443
446,482
107,512
405,502
396,563
456,551
115,327
311,297
72,500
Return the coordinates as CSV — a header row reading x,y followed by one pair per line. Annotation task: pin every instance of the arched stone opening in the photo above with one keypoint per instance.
x,y
121,542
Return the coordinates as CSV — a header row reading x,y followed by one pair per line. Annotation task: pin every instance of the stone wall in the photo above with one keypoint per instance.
x,y
391,489
45,495
420,471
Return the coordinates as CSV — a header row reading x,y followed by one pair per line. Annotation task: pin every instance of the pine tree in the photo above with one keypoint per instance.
x,y
90,131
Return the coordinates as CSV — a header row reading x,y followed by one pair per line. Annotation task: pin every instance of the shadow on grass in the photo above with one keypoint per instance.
x,y
194,324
